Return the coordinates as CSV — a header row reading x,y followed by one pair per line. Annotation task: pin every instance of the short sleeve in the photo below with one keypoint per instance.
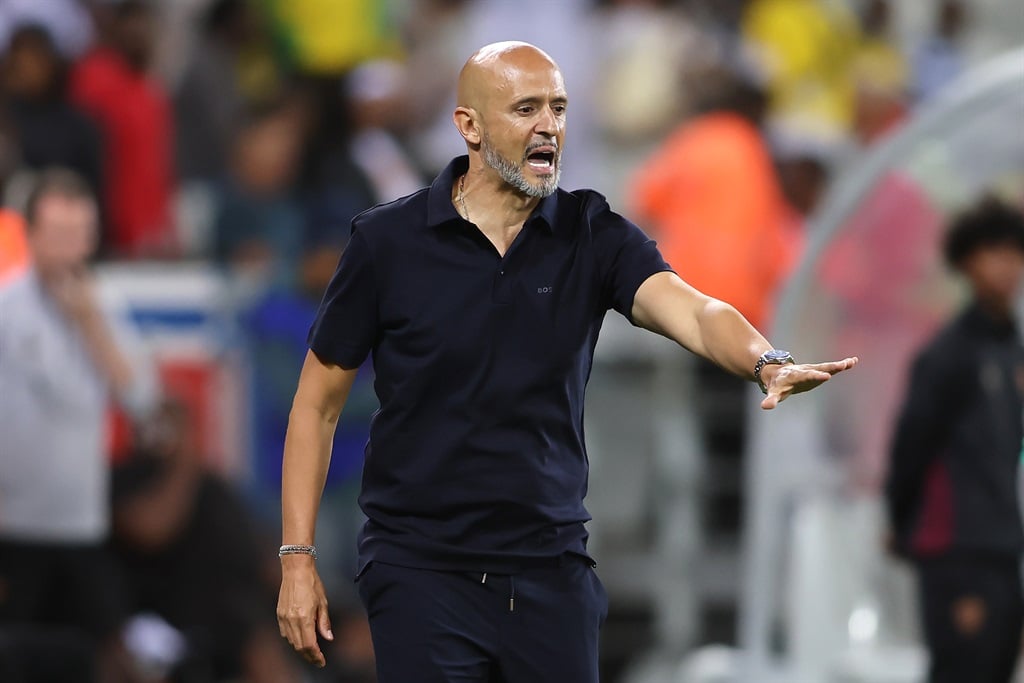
x,y
346,323
627,257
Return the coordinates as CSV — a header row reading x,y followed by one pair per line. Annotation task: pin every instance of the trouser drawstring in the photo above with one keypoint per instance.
x,y
512,590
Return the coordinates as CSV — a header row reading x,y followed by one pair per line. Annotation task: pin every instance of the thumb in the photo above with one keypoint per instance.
x,y
770,401
323,622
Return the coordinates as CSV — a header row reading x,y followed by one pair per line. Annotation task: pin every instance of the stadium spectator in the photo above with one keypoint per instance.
x,y
14,251
218,86
433,34
647,52
880,78
258,225
952,488
886,298
806,152
190,554
133,112
374,94
62,354
940,58
712,197
805,50
68,21
877,44
353,158
50,131
326,37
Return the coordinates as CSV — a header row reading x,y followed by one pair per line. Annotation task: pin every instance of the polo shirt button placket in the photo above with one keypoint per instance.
x,y
502,295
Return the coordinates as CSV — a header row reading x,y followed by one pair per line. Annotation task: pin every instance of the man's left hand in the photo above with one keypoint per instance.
x,y
782,381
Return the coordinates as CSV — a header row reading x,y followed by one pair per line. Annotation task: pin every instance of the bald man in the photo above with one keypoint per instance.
x,y
481,298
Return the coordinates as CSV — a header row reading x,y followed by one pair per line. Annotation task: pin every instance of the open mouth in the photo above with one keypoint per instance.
x,y
541,160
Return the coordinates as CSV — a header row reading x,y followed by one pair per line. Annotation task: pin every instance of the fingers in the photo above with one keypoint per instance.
x,y
324,623
835,367
310,649
298,629
299,625
796,379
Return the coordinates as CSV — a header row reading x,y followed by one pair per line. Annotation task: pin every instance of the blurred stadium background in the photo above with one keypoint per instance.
x,y
735,545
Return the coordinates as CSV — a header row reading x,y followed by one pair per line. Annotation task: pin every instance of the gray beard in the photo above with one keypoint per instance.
x,y
512,173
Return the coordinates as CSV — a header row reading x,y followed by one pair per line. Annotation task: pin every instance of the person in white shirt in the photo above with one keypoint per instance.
x,y
62,357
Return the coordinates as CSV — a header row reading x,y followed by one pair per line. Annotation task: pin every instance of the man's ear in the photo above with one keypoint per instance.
x,y
466,120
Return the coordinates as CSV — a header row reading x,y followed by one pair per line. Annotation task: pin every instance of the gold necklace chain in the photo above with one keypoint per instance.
x,y
462,196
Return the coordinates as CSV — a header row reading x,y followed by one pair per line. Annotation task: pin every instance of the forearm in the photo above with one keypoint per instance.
x,y
729,340
708,327
319,399
307,456
111,362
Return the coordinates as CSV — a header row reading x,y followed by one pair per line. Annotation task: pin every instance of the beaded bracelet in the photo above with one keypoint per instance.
x,y
297,550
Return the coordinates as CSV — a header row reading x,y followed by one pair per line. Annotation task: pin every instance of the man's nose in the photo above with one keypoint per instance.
x,y
547,122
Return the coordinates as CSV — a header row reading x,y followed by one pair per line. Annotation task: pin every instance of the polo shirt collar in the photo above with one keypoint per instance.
x,y
441,211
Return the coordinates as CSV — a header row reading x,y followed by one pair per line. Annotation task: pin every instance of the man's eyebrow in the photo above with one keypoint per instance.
x,y
537,99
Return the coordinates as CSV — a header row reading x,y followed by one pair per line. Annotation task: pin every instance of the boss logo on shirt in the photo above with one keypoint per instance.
x,y
545,290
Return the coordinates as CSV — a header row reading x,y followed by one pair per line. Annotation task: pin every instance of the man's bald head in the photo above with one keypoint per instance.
x,y
511,113
495,67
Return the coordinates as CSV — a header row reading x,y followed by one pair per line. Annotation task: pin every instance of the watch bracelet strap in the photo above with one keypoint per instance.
x,y
297,550
760,365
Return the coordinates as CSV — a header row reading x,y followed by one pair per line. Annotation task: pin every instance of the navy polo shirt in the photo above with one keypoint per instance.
x,y
476,457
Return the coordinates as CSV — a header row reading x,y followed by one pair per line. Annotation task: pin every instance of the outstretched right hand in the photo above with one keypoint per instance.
x,y
302,607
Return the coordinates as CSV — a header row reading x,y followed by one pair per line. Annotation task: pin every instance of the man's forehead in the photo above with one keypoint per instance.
x,y
522,81
509,70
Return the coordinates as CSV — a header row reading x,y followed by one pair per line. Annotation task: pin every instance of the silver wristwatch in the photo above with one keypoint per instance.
x,y
771,357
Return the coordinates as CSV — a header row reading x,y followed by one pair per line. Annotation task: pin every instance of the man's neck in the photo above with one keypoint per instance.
x,y
495,207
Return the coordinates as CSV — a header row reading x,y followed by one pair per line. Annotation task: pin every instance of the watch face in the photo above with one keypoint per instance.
x,y
777,355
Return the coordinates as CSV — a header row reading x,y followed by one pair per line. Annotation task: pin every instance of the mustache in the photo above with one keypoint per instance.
x,y
542,143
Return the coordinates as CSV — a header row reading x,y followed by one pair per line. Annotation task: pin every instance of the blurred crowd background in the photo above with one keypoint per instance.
x,y
230,142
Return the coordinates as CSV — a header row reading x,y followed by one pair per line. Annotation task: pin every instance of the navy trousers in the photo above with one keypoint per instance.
x,y
540,625
985,647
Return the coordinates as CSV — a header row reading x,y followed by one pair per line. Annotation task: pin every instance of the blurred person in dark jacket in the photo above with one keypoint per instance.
x,y
190,554
50,131
952,489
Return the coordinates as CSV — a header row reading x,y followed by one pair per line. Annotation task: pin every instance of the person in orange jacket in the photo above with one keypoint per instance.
x,y
14,254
